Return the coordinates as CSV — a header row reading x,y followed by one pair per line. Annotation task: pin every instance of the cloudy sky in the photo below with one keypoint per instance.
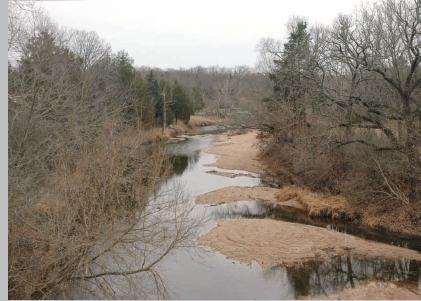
x,y
186,33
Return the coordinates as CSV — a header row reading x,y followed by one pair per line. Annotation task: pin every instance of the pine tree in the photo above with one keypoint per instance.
x,y
289,77
182,107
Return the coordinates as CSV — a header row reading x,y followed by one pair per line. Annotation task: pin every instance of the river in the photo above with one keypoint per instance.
x,y
200,273
204,274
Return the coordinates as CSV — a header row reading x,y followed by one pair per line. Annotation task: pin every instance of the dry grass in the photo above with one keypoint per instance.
x,y
237,132
389,215
354,172
199,121
316,204
179,127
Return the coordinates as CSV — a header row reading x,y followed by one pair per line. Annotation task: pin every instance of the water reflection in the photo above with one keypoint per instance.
x,y
209,275
258,209
190,147
244,209
322,278
195,175
180,163
203,274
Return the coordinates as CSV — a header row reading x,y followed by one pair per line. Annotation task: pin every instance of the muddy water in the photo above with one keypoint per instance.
x,y
204,274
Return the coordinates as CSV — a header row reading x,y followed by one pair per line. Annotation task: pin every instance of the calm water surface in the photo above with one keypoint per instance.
x,y
205,274
201,273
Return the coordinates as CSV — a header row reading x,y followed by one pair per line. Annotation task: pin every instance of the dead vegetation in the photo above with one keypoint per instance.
x,y
344,184
316,204
344,120
84,167
99,198
199,121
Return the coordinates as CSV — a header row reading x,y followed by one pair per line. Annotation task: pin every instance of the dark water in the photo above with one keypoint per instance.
x,y
205,274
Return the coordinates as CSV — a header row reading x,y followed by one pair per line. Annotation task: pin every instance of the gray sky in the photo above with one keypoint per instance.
x,y
186,33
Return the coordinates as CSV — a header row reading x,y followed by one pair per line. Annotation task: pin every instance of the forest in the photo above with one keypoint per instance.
x,y
337,107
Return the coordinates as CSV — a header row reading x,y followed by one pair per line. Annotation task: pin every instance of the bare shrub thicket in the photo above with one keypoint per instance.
x,y
345,113
84,212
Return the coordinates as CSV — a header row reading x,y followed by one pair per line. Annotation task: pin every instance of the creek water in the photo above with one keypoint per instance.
x,y
201,273
205,274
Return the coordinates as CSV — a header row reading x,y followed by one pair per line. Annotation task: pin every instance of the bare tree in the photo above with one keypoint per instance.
x,y
360,80
82,191
20,14
27,19
267,50
376,53
89,46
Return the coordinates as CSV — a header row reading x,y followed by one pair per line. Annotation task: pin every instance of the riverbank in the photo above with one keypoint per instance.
x,y
270,242
239,151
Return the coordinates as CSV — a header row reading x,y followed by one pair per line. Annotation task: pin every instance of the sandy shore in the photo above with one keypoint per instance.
x,y
236,194
238,152
270,242
378,290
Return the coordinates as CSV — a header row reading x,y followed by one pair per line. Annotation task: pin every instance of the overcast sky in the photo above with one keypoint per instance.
x,y
186,33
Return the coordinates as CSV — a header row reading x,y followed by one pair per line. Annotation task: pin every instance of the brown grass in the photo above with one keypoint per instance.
x,y
180,126
199,121
352,172
389,215
317,205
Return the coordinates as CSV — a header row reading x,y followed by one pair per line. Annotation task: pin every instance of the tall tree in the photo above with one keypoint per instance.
x,y
89,47
154,92
290,65
124,65
376,52
182,107
82,211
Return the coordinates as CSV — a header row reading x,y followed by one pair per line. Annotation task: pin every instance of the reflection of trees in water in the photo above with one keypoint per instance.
x,y
179,164
194,159
299,280
243,209
320,278
127,266
190,147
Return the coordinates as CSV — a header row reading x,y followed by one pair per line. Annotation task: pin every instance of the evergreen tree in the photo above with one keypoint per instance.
x,y
182,107
289,77
139,107
292,63
49,73
198,103
156,99
124,64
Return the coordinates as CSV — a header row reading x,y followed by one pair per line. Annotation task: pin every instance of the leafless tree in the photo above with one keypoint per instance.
x,y
267,48
89,46
370,69
360,80
84,210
